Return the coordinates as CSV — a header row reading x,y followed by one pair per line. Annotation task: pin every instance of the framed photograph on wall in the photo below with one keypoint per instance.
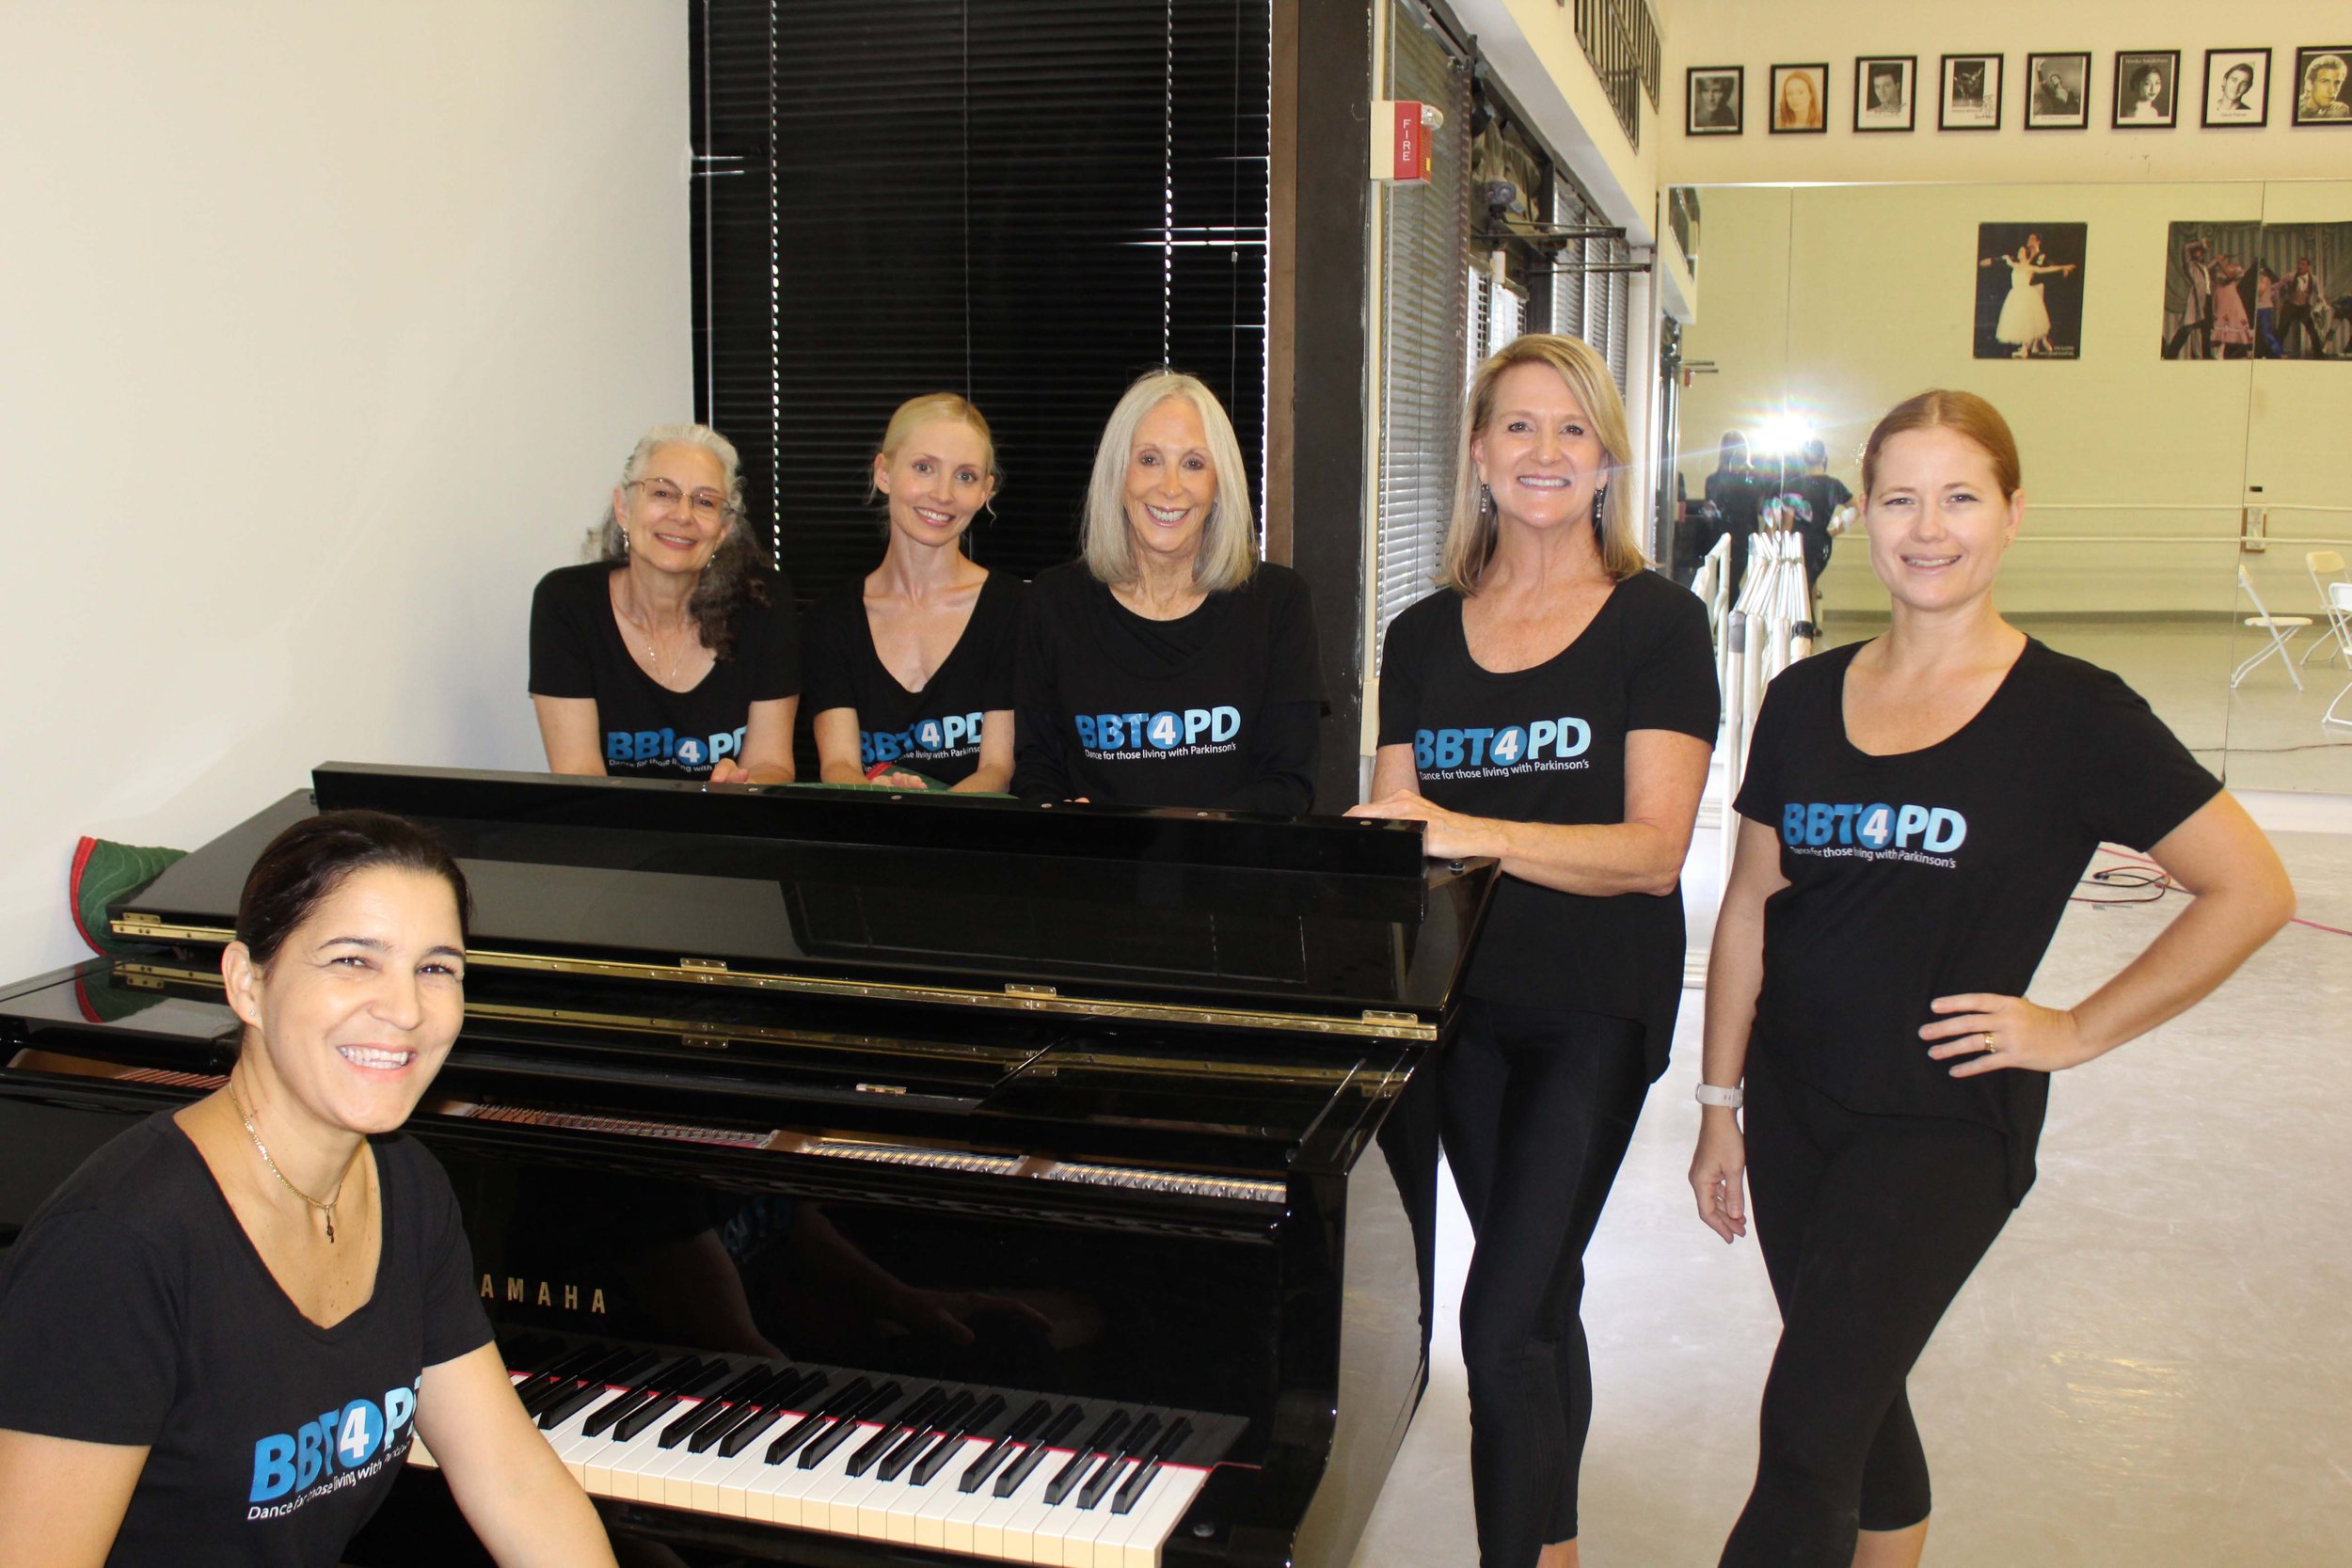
x,y
2029,290
1971,98
2237,86
1800,100
2057,92
1710,97
2147,83
1885,92
2319,84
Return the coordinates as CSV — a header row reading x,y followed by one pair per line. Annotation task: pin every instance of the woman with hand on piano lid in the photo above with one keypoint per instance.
x,y
910,668
1168,666
222,1336
1916,812
675,653
1552,705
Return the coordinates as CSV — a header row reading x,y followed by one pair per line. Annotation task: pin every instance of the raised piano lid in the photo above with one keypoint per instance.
x,y
1325,925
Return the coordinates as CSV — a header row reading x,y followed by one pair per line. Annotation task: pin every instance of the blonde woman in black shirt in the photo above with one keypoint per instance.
x,y
1917,810
1553,705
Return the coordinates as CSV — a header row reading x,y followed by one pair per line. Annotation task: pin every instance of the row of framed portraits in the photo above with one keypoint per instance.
x,y
2146,92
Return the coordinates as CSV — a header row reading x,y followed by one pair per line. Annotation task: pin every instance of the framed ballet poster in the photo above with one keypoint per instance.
x,y
2029,291
2147,83
2057,92
1971,98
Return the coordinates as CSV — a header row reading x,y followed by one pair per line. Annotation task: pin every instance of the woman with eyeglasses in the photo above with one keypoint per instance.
x,y
674,654
909,667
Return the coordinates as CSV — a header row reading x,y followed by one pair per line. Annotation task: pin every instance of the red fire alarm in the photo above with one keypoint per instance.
x,y
1400,132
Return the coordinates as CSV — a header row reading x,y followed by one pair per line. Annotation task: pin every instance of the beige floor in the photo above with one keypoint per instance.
x,y
2152,1370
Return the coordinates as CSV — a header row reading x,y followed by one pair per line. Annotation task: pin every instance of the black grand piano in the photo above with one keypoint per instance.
x,y
857,1179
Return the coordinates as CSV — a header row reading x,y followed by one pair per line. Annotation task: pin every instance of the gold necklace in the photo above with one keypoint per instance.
x,y
329,1204
653,651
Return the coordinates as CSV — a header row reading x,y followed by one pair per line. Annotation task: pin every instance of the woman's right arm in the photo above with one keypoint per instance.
x,y
1735,978
61,1501
837,750
567,728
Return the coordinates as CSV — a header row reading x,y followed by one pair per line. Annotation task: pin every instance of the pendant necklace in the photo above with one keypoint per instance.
x,y
653,653
328,1206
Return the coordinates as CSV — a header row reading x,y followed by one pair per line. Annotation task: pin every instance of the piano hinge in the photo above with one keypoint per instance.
x,y
882,1089
1374,1014
1014,989
714,966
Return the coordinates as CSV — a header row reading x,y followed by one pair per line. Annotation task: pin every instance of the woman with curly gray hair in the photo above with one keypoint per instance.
x,y
674,654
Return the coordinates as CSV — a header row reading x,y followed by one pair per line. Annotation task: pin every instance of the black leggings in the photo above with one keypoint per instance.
x,y
1538,1106
1869,1226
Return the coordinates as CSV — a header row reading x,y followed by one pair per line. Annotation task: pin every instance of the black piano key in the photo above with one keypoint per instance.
x,y
654,1409
749,1403
1018,1471
565,1406
944,1447
1070,1473
558,1373
817,1420
631,1400
781,1403
846,1427
593,1374
923,1433
907,1421
1137,1440
1171,1443
1026,1423
688,1423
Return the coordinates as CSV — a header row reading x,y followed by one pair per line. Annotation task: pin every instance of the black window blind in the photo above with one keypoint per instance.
x,y
1026,205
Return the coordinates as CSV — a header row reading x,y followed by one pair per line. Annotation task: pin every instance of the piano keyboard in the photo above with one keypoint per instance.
x,y
989,1472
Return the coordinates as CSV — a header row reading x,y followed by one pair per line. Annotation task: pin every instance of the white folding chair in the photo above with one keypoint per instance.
x,y
2340,605
2327,572
2279,629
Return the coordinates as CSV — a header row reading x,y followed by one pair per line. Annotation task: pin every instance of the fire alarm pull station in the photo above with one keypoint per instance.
x,y
1401,135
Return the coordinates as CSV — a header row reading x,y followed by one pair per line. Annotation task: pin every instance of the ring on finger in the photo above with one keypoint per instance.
x,y
1990,1048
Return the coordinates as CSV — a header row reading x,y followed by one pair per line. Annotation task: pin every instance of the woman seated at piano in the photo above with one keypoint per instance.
x,y
1168,666
910,668
675,653
222,1337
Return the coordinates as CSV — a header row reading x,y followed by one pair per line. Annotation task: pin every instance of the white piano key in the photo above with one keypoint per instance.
x,y
1015,1532
634,1460
931,1520
828,1477
970,1510
1067,1530
1157,1513
568,1434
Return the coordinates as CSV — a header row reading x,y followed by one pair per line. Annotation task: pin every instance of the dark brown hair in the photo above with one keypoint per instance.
x,y
317,855
1963,412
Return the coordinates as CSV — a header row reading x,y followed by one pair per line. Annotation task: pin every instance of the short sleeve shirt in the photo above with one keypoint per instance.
x,y
134,1310
936,731
650,731
1941,871
1154,713
1548,744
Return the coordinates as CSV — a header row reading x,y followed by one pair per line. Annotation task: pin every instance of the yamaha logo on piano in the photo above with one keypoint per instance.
x,y
542,1292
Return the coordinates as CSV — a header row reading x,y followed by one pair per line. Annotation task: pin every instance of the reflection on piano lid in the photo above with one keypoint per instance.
x,y
1332,925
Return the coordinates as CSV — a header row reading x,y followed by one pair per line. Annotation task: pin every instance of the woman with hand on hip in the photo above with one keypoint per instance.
x,y
675,653
178,1315
1917,811
1552,705
1168,666
909,667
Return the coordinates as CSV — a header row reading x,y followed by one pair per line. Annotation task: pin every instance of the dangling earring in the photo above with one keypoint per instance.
x,y
1601,498
1486,500
623,533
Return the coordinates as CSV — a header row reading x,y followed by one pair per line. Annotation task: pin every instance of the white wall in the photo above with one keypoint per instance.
x,y
1756,35
325,327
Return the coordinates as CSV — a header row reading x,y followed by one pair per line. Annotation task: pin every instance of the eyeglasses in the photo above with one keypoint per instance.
x,y
707,506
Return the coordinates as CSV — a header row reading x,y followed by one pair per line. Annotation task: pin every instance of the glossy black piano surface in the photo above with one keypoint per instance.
x,y
1139,1133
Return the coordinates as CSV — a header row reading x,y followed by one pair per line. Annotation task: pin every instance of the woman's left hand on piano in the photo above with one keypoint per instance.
x,y
1448,834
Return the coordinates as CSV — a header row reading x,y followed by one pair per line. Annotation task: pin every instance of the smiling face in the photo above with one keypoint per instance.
x,y
937,481
673,510
2149,84
1937,520
1537,453
1796,96
2237,84
357,1007
1171,482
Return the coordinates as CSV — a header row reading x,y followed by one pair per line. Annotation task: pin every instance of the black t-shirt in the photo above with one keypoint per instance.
x,y
1220,709
134,1310
1941,871
1547,744
935,731
651,732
